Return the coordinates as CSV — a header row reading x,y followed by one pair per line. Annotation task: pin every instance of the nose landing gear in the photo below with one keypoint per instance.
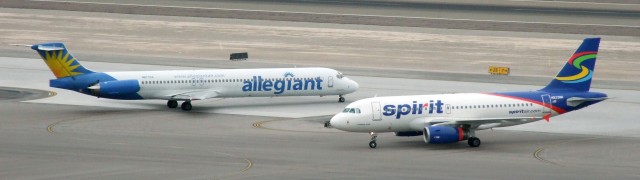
x,y
341,99
372,143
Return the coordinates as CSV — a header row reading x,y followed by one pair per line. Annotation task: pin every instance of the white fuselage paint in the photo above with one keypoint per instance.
x,y
230,82
473,106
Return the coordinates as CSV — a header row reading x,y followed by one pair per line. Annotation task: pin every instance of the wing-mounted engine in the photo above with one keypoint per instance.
x,y
444,134
115,89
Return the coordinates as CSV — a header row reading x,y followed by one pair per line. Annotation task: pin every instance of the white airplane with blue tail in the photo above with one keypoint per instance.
x,y
190,85
451,118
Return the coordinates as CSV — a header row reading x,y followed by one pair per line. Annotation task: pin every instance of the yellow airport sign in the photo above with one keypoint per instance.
x,y
498,70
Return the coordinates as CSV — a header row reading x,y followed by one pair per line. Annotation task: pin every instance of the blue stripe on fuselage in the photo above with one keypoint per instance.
x,y
558,100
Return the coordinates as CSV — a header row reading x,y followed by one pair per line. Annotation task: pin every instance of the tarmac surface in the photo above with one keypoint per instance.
x,y
48,133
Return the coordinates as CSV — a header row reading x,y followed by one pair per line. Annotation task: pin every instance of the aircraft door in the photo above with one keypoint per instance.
x,y
330,81
546,103
448,108
375,106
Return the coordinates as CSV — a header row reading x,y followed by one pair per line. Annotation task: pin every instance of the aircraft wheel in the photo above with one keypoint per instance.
x,y
373,144
186,106
172,104
341,99
474,142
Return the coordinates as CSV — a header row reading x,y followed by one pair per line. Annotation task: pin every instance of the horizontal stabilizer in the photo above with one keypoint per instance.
x,y
50,48
575,101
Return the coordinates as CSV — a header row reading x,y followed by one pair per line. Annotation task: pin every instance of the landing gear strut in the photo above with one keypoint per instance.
x,y
172,103
372,143
341,99
186,106
474,141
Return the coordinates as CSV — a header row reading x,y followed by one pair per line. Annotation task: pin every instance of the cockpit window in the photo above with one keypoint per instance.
x,y
339,75
351,110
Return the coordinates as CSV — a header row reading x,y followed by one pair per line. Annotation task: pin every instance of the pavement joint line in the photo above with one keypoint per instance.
x,y
50,129
538,152
249,165
260,123
576,2
336,14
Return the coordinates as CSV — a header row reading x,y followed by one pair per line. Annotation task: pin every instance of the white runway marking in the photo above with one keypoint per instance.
x,y
341,14
575,2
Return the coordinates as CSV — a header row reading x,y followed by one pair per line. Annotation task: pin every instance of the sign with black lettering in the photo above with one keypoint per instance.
x,y
496,70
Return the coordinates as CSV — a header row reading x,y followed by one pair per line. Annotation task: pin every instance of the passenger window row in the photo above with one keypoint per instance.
x,y
217,80
493,106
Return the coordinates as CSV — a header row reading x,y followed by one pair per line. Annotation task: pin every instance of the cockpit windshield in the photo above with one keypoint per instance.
x,y
351,110
339,75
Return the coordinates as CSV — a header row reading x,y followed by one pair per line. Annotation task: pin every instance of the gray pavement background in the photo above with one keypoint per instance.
x,y
72,136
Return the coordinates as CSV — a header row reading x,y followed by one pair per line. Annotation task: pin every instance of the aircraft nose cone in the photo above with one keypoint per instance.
x,y
353,86
337,122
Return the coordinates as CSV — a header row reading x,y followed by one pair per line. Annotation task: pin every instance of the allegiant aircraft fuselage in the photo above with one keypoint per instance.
x,y
188,85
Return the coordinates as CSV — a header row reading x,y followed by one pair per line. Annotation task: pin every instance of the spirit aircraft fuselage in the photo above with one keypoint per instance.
x,y
488,110
450,118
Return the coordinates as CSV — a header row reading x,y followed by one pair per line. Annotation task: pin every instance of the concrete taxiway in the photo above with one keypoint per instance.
x,y
67,135
48,133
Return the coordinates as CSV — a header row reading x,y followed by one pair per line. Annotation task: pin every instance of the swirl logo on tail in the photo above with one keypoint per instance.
x,y
585,73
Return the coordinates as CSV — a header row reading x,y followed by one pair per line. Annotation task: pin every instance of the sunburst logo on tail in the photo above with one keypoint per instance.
x,y
61,63
577,60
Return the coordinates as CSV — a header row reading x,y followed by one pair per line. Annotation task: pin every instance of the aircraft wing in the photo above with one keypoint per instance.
x,y
195,95
481,123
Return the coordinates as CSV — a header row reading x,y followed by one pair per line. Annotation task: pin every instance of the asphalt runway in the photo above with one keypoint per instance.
x,y
48,133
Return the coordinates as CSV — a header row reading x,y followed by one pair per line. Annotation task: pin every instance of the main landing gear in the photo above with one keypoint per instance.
x,y
186,105
473,141
172,104
341,99
372,143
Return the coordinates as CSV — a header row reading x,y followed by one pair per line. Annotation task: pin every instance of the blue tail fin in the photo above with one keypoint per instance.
x,y
577,73
59,60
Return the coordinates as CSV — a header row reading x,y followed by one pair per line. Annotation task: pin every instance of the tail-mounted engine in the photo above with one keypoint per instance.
x,y
114,89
